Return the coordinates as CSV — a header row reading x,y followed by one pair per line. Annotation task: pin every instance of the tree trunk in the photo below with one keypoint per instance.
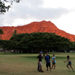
x,y
14,51
20,51
4,51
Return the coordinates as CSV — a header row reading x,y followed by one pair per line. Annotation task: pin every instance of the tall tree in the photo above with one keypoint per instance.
x,y
1,32
35,42
15,32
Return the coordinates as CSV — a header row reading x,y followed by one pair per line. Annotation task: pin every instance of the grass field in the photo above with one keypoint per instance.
x,y
26,64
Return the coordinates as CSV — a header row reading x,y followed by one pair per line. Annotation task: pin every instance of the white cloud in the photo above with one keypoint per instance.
x,y
30,11
67,4
66,22
60,12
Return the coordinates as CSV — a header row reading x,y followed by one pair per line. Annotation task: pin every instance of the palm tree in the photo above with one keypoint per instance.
x,y
1,32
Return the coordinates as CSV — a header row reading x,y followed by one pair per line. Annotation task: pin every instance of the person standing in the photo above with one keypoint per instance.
x,y
53,61
40,61
47,59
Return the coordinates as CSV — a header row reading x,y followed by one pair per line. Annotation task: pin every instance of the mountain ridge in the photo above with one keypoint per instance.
x,y
43,26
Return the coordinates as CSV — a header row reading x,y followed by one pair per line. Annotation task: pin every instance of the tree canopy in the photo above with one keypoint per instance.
x,y
34,42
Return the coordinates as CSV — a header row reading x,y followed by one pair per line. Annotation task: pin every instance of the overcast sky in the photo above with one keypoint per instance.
x,y
60,12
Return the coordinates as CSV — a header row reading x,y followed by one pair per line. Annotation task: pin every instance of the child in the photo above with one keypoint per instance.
x,y
47,59
69,63
53,61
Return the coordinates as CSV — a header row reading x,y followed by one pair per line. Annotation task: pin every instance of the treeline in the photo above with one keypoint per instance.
x,y
35,42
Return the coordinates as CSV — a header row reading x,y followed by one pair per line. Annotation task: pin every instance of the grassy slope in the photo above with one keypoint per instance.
x,y
26,64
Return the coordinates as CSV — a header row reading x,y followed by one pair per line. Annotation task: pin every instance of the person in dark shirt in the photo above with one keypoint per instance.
x,y
47,59
40,62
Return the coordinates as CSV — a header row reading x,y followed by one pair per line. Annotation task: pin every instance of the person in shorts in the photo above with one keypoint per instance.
x,y
69,63
53,61
47,59
40,61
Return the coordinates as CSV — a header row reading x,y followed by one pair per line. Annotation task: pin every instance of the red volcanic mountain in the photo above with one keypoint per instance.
x,y
43,26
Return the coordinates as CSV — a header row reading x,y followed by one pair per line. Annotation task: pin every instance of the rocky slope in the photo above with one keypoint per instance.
x,y
43,26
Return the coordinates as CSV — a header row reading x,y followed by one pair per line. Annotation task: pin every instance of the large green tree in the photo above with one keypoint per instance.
x,y
72,47
8,45
35,42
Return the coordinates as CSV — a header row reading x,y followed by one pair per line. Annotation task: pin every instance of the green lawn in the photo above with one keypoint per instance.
x,y
26,64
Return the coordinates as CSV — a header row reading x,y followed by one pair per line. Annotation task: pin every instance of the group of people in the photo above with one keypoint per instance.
x,y
48,62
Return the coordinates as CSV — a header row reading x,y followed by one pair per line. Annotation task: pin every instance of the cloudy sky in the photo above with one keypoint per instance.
x,y
60,12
